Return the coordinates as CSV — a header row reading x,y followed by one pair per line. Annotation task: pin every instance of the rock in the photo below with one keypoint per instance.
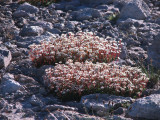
x,y
31,31
5,57
136,9
35,101
158,21
58,107
118,111
96,1
124,52
59,26
3,117
137,52
86,14
117,117
101,103
25,42
45,25
146,107
70,115
20,13
154,51
3,103
105,7
55,31
28,8
9,85
126,24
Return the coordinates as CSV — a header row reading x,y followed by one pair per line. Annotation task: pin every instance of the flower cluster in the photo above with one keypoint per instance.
x,y
76,77
80,47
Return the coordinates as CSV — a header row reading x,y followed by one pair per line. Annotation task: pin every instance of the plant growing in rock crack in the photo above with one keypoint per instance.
x,y
83,72
113,17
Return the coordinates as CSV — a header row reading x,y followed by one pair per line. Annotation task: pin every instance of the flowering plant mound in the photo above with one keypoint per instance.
x,y
79,47
84,78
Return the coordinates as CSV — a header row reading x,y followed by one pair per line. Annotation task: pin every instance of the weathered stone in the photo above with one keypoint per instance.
x,y
101,103
25,42
5,57
35,101
96,1
28,8
86,14
9,85
146,107
20,13
136,9
154,51
72,115
58,107
31,31
118,111
45,25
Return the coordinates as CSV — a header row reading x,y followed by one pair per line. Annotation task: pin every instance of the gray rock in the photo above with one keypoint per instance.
x,y
3,103
59,26
117,117
126,24
96,1
105,7
146,107
118,111
20,13
58,107
45,25
137,52
3,117
158,21
35,101
31,31
154,51
25,42
55,31
5,57
124,52
136,9
101,103
9,85
70,115
28,8
86,14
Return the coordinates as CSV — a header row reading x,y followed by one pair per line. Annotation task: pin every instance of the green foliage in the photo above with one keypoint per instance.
x,y
113,18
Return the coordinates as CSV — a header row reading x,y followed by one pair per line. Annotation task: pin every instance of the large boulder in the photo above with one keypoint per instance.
x,y
136,9
5,57
146,107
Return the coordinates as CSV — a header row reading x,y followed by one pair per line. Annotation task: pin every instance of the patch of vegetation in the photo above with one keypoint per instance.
x,y
113,18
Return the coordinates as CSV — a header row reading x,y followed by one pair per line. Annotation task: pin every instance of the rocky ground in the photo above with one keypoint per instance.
x,y
22,94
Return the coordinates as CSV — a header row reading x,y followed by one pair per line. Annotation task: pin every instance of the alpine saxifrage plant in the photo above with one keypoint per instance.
x,y
78,47
86,66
